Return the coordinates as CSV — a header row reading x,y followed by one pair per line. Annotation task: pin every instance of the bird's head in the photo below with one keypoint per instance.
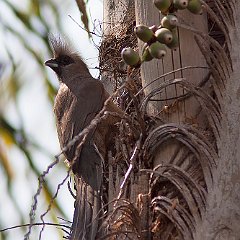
x,y
65,62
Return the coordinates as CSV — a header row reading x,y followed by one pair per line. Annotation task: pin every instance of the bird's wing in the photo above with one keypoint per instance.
x,y
75,108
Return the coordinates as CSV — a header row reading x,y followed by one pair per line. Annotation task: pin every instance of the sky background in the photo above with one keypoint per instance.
x,y
37,115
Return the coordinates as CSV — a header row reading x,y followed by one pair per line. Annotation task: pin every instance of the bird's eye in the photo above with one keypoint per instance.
x,y
65,60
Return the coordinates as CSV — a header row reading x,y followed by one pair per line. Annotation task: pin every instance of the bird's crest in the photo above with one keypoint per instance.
x,y
60,47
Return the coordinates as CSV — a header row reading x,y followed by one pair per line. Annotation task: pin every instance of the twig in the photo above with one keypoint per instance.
x,y
89,32
132,161
163,76
34,224
103,114
51,202
70,190
34,205
169,73
64,220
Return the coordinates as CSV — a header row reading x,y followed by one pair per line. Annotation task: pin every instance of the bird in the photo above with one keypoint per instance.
x,y
79,99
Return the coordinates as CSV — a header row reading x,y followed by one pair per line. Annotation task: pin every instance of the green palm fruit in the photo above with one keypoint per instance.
x,y
164,35
157,50
174,44
146,56
169,21
180,4
144,33
162,5
195,6
130,57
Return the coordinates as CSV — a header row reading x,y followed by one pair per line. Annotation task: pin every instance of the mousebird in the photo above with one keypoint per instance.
x,y
79,98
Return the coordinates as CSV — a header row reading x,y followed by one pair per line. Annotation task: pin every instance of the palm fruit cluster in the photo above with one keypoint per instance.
x,y
157,39
171,6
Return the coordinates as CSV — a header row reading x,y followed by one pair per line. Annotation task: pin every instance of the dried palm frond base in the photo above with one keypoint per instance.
x,y
176,188
170,165
123,222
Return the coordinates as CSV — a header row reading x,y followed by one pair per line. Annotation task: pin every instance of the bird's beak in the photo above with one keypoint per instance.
x,y
51,63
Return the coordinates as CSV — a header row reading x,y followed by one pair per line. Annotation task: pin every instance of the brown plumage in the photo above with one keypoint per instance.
x,y
79,98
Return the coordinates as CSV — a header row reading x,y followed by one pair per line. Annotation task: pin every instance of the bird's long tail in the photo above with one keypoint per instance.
x,y
88,197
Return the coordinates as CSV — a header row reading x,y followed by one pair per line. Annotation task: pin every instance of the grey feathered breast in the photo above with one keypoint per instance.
x,y
75,108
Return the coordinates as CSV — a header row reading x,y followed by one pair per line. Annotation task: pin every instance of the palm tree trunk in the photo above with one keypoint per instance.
x,y
192,150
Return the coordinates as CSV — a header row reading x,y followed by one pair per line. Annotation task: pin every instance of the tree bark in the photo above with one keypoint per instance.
x,y
223,213
219,215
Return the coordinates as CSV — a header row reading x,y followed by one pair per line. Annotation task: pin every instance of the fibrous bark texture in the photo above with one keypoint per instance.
x,y
178,163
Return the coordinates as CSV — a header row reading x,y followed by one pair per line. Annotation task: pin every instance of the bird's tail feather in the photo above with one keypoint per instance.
x,y
85,219
88,197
